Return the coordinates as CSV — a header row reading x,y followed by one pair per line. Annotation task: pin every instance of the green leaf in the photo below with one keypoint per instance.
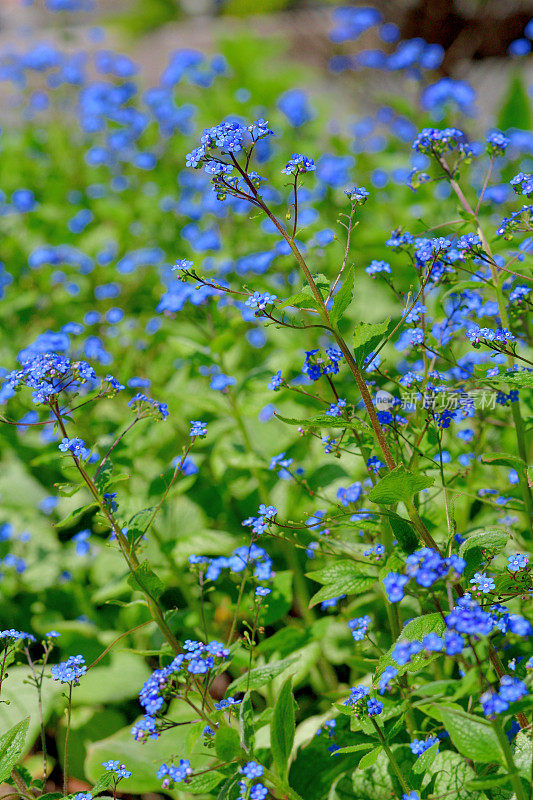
x,y
367,337
203,784
74,516
452,775
68,489
473,737
493,540
144,577
488,782
343,298
515,111
339,570
104,476
370,759
514,380
354,748
404,532
138,523
424,762
11,747
227,743
103,782
351,583
229,791
398,485
324,421
282,728
257,677
503,460
279,601
246,722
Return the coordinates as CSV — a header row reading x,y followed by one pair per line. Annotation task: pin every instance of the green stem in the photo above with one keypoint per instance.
x,y
282,787
515,407
390,756
514,775
129,555
67,735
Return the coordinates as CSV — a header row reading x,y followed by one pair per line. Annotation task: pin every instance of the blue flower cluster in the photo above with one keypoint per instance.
x,y
316,366
359,627
426,566
197,659
511,689
49,374
170,774
260,523
237,563
75,446
419,746
249,787
118,769
69,671
372,708
477,335
298,163
148,407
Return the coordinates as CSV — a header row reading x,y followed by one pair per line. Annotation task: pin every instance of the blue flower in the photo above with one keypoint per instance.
x,y
394,586
198,428
517,562
483,582
69,671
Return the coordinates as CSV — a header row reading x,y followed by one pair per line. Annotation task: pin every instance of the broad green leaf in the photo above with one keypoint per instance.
x,y
351,583
204,784
515,110
246,722
339,570
488,782
144,577
399,485
74,516
11,747
473,737
343,298
370,759
451,775
282,728
227,743
279,601
229,790
258,676
404,532
424,761
367,337
493,540
504,460
20,698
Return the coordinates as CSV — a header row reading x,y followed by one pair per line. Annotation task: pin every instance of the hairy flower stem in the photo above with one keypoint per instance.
x,y
280,786
67,735
514,775
515,407
129,555
354,369
390,756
